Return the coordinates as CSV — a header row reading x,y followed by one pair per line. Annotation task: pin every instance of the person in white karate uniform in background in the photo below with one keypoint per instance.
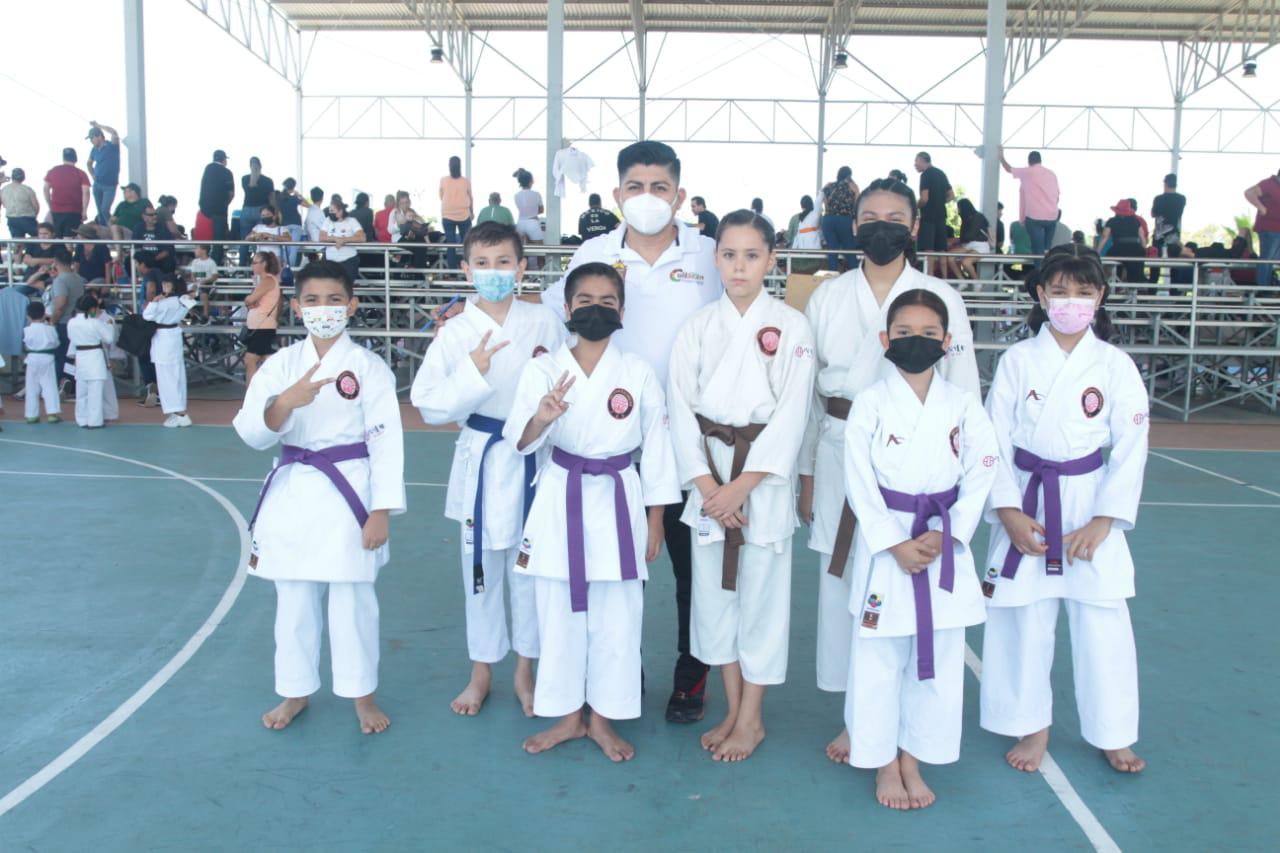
x,y
919,460
40,343
848,316
321,520
89,341
469,375
741,380
595,520
110,402
1059,514
167,309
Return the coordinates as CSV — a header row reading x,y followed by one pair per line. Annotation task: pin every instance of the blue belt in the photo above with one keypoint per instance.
x,y
493,428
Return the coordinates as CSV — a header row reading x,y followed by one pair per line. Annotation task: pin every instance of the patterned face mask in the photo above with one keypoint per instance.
x,y
325,321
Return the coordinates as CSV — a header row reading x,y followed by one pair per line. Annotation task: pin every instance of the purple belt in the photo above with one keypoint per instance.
x,y
325,461
1047,473
925,507
577,466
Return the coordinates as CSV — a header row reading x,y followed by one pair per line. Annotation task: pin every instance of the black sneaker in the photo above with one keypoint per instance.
x,y
688,699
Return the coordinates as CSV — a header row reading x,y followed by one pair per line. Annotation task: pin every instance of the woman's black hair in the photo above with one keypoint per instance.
x,y
362,199
274,212
523,177
965,208
591,270
86,303
749,218
898,188
1078,263
922,297
455,167
177,284
806,205
844,173
897,175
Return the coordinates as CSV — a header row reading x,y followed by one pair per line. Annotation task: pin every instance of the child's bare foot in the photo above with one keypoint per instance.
x,y
1124,760
714,737
610,742
568,728
282,715
1028,751
838,749
372,720
918,792
468,702
890,792
742,741
524,684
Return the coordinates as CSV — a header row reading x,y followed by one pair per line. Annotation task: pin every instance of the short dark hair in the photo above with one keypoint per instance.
x,y
922,297
591,270
924,155
317,195
698,200
69,155
62,256
35,310
323,269
491,234
289,183
593,199
19,174
1170,180
751,219
648,153
1033,158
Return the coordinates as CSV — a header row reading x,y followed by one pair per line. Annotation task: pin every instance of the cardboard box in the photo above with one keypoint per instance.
x,y
800,287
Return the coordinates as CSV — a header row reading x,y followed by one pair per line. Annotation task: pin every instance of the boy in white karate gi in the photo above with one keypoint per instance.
x,y
469,376
740,386
167,309
89,339
40,340
587,539
1059,514
919,460
321,520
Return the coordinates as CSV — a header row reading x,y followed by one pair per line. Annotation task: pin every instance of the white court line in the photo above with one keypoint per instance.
x,y
127,709
1213,473
1059,784
159,477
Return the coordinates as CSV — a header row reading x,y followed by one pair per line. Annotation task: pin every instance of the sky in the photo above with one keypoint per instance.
x,y
205,91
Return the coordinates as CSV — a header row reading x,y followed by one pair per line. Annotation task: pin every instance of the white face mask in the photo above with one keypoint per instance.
x,y
325,321
647,213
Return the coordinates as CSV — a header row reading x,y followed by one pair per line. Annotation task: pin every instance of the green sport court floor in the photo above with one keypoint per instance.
x,y
135,662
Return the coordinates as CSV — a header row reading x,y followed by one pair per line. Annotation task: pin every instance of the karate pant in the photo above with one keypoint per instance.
x,y
835,625
42,384
353,638
487,637
1017,656
749,626
887,707
110,402
590,658
171,382
89,399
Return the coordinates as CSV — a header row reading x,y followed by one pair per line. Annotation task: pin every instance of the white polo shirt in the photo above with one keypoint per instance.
x,y
659,298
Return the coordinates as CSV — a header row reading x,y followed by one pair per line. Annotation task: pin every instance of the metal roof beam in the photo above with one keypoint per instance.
x,y
1224,42
1038,29
262,29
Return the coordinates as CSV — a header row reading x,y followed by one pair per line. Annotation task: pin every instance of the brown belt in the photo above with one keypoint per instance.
x,y
739,438
838,407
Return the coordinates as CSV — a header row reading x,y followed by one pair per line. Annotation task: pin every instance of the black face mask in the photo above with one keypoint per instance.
x,y
594,322
268,220
883,241
914,354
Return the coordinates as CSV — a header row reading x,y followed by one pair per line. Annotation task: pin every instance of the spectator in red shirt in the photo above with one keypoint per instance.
x,y
382,219
66,191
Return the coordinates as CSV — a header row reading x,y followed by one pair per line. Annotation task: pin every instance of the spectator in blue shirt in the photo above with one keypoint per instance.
x,y
104,167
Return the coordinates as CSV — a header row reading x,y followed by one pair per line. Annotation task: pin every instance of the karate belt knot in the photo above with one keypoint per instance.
x,y
838,408
493,428
325,461
925,507
1046,473
739,438
577,467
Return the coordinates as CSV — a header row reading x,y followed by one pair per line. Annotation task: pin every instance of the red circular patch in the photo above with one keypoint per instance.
x,y
988,461
620,403
768,338
347,385
1091,401
539,350
955,441
1139,418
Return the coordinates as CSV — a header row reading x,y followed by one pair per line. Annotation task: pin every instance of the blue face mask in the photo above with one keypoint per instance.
x,y
494,285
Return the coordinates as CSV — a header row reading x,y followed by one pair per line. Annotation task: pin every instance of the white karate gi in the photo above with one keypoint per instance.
x,y
91,367
1062,407
592,657
166,351
572,164
846,324
110,402
895,441
306,536
450,388
736,370
41,383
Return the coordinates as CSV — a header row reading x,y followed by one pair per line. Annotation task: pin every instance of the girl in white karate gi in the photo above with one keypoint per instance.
x,y
740,386
589,534
469,376
40,342
919,460
321,520
1059,514
167,309
89,341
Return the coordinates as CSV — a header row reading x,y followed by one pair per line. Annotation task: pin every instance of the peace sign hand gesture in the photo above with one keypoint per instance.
x,y
552,404
483,357
303,392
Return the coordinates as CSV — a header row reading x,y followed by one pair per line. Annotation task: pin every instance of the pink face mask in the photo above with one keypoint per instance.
x,y
1071,316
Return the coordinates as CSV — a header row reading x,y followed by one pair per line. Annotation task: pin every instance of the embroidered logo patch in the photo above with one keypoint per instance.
x,y
1139,418
347,385
804,351
955,441
1091,401
768,339
539,350
874,601
620,403
680,275
893,439
988,461
989,582
1033,394
621,268
522,558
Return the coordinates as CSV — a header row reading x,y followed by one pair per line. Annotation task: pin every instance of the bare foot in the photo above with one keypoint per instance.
x,y
918,792
372,720
611,744
282,715
524,685
714,737
890,792
468,702
568,728
1124,760
838,749
742,741
1028,751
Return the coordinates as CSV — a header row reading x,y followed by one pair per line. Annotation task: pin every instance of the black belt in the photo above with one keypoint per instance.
x,y
166,325
88,346
40,351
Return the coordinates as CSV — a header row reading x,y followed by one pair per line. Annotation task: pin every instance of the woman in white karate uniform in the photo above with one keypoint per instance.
x,y
167,309
1058,516
919,460
848,316
89,340
739,392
